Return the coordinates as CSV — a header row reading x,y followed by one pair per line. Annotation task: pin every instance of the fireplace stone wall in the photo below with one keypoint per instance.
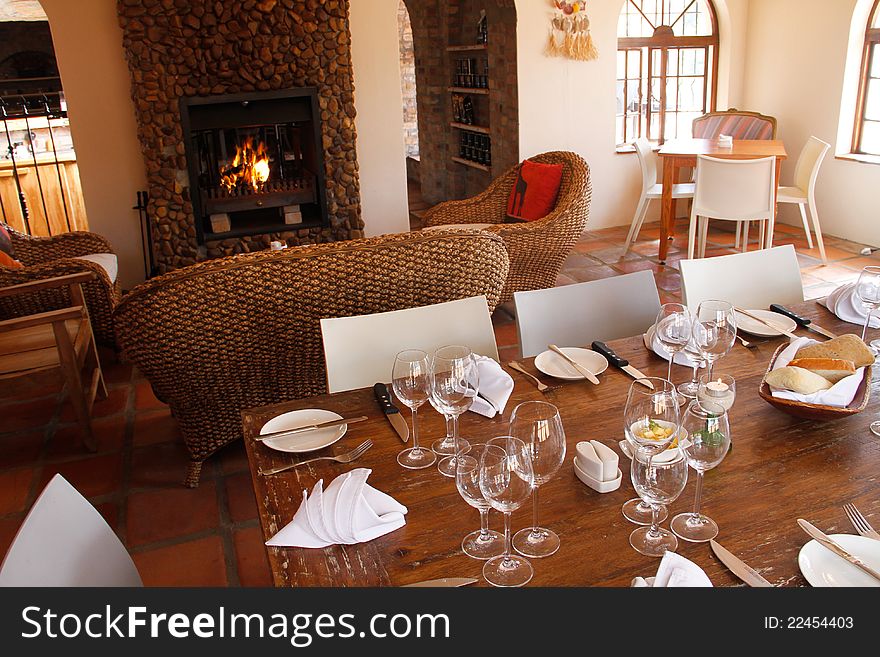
x,y
178,48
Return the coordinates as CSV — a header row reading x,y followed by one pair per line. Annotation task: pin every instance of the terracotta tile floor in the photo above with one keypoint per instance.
x,y
211,535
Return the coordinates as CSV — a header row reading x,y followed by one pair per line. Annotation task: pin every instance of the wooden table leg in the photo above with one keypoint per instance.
x,y
667,219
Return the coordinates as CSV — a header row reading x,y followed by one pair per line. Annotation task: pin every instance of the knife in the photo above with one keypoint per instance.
x,y
445,581
311,427
592,378
760,320
619,362
803,322
380,390
737,566
832,545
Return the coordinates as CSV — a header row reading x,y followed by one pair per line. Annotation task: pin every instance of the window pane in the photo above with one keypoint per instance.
x,y
876,18
871,137
634,68
875,62
633,95
872,101
621,64
690,94
672,62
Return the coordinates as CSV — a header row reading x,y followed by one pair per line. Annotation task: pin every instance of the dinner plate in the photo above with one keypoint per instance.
x,y
821,567
307,441
755,327
552,364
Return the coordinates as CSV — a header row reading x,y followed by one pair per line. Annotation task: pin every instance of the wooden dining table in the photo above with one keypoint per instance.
x,y
780,468
679,153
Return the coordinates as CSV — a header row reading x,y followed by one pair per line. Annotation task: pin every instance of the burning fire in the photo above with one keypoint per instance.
x,y
249,168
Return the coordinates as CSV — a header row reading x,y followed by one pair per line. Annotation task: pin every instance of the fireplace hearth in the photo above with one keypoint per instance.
x,y
254,163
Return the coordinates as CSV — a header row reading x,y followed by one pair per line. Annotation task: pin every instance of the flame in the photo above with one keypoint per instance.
x,y
249,168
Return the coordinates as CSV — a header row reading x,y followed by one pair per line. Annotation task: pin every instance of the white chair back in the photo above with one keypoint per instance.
x,y
748,280
647,162
575,315
737,190
360,350
807,168
64,541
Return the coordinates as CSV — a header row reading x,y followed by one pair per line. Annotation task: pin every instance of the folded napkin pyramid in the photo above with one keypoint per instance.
x,y
496,386
675,570
349,511
845,303
840,394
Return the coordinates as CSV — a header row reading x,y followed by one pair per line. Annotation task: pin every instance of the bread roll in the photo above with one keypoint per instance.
x,y
797,379
846,347
833,369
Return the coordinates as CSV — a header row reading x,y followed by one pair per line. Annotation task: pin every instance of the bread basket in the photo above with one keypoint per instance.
x,y
817,411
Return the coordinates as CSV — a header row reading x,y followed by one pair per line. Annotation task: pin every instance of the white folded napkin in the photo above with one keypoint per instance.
x,y
652,343
349,511
844,303
840,394
674,571
496,385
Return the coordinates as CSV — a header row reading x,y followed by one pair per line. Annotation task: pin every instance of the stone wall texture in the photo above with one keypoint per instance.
x,y
178,48
408,82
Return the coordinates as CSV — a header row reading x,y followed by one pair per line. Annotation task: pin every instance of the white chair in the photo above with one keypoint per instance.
x,y
64,541
748,280
804,191
360,350
575,315
651,189
733,190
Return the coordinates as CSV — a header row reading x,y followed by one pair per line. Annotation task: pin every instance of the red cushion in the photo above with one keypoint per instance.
x,y
534,192
7,254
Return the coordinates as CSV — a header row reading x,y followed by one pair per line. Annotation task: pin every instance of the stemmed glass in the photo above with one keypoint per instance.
x,y
673,330
868,291
658,480
692,351
714,331
446,445
539,426
409,378
454,382
651,423
706,445
506,480
483,543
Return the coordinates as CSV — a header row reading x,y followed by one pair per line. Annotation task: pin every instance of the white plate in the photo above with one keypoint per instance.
x,y
308,441
821,567
552,364
755,327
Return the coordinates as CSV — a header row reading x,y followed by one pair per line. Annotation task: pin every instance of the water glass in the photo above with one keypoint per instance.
x,y
659,480
454,382
673,329
409,378
714,330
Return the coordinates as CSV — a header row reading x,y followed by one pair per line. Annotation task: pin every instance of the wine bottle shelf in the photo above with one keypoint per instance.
x,y
468,90
469,163
471,128
465,48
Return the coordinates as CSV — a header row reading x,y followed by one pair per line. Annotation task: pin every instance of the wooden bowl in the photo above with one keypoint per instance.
x,y
817,411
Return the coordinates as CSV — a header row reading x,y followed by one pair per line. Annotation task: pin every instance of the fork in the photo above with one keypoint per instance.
x,y
745,343
862,526
542,387
348,457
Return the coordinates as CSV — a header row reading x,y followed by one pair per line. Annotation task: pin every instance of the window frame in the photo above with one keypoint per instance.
x,y
872,41
662,41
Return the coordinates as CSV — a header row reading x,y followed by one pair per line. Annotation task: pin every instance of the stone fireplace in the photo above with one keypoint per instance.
x,y
186,54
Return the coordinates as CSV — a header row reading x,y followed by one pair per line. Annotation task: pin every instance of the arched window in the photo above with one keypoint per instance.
x,y
667,66
866,132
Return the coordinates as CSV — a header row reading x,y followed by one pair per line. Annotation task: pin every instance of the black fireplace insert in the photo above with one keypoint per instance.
x,y
255,162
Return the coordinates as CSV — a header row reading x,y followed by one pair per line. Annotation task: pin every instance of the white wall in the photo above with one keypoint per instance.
x,y
379,102
795,71
570,105
94,74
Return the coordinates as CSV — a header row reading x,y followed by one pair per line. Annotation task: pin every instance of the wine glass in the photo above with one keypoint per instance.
x,y
454,382
651,422
659,480
714,330
409,378
506,481
673,330
706,445
539,426
868,291
692,387
483,543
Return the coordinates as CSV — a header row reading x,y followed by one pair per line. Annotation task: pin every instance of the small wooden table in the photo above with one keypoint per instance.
x,y
780,468
678,153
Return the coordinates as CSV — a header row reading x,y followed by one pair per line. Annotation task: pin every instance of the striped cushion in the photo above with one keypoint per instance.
x,y
736,125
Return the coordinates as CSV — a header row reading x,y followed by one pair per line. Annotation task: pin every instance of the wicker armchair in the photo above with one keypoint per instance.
x,y
537,249
50,257
243,331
